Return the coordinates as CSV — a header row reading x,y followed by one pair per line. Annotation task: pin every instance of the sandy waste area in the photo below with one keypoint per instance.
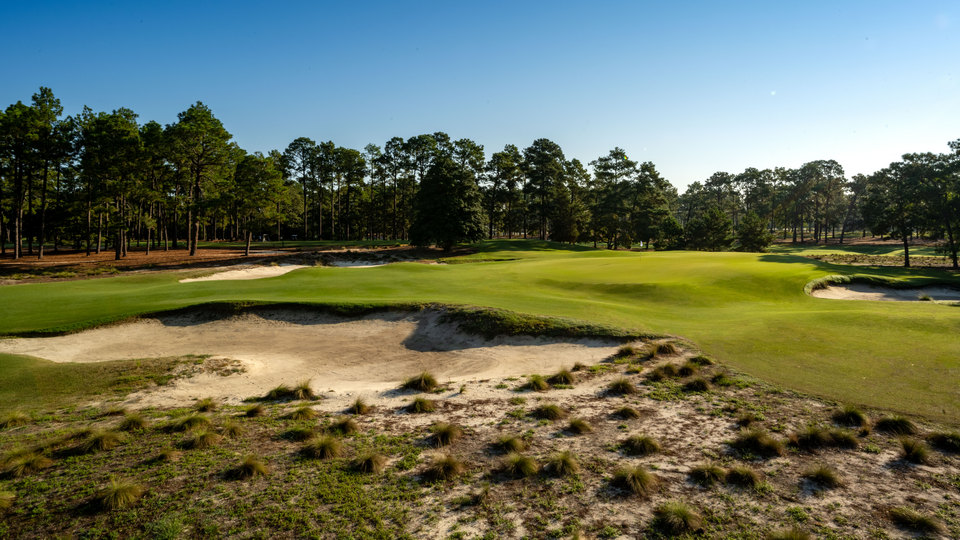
x,y
858,291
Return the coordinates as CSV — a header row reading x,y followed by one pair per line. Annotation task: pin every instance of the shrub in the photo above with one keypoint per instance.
x,y
707,474
205,405
896,425
946,441
549,411
343,426
562,464
304,412
22,463
255,410
757,442
119,494
326,447
702,360
536,383
510,443
202,440
636,480
359,406
422,405
579,426
445,434
303,391
132,422
823,477
640,445
626,413
370,462
100,440
6,500
850,416
231,430
911,519
519,466
191,422
742,476
248,468
14,419
914,451
621,386
564,376
299,434
697,384
789,534
688,369
424,382
747,419
444,468
676,518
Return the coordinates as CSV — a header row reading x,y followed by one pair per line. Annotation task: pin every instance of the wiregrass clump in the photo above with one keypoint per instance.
x,y
621,386
424,382
255,410
445,434
665,371
20,463
132,422
707,474
914,451
896,425
14,419
815,438
343,426
119,494
676,518
688,369
298,434
445,468
510,443
549,411
946,441
519,465
635,480
248,468
789,534
370,463
302,391
231,430
823,477
742,476
640,445
7,499
697,384
98,441
758,443
536,383
359,406
422,405
626,413
564,376
702,360
205,405
850,416
666,349
325,447
911,519
579,426
190,423
304,412
562,464
202,440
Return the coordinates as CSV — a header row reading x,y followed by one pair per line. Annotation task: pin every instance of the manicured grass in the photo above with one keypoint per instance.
x,y
748,311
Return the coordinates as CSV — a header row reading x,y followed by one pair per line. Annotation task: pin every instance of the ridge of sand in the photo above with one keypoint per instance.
x,y
250,272
282,346
862,291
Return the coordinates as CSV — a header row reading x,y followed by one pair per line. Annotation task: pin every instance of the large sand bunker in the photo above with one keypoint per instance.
x,y
275,346
861,291
248,272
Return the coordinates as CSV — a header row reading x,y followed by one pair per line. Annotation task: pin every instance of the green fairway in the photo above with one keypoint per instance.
x,y
747,310
886,250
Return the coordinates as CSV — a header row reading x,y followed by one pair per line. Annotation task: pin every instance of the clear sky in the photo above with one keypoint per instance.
x,y
695,87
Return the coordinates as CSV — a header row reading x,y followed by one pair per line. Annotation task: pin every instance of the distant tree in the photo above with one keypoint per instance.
x,y
711,232
752,234
447,207
300,162
894,205
258,186
543,163
669,235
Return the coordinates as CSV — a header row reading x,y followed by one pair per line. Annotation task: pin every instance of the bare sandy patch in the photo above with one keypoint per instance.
x,y
250,272
861,291
276,346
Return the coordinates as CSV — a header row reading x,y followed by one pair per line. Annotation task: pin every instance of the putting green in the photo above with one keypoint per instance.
x,y
747,310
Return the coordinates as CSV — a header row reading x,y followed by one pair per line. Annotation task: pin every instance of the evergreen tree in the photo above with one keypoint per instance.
x,y
447,208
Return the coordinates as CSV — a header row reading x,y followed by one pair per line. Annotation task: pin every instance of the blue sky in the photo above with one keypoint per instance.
x,y
695,87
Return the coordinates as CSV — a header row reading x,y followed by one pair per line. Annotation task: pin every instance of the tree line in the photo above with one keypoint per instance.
x,y
103,180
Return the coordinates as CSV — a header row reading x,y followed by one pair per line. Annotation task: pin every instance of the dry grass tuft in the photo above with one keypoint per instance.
x,y
190,423
7,499
169,454
536,383
205,405
248,468
666,349
707,474
911,519
823,477
14,419
815,438
445,468
946,441
621,386
510,443
133,422
579,426
202,440
564,376
119,494
299,434
519,466
688,369
23,462
757,442
640,445
422,405
325,447
626,413
636,480
850,416
359,406
675,518
665,371
302,391
789,534
697,384
896,425
742,476
304,412
702,360
255,411
424,382
100,440
914,451
370,463
231,430
445,434
562,464
549,411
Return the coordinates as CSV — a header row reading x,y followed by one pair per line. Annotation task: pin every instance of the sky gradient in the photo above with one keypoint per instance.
x,y
693,87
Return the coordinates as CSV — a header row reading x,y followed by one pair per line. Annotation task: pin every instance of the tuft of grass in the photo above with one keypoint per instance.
x,y
119,494
747,419
6,500
519,465
789,534
702,360
707,474
549,411
579,426
823,477
133,422
850,416
510,443
896,425
562,464
578,366
279,393
636,480
742,476
343,426
115,411
757,442
946,441
697,384
14,419
621,386
370,463
666,349
100,440
911,519
675,518
191,422
445,468
914,451
627,351
302,391
231,430
723,379
688,369
205,405
422,405
445,434
359,406
169,455
811,438
626,413
304,412
665,371
325,447
248,468
424,382
21,463
640,445
564,376
255,411
299,434
536,383
202,440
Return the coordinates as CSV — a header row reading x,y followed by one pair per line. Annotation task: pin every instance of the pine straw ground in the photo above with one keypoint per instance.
x,y
289,492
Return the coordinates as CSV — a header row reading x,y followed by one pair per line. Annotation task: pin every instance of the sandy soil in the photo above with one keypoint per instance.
x,y
276,346
249,272
857,291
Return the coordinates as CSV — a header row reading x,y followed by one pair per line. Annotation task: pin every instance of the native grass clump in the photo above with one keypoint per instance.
x,y
635,480
421,405
423,382
519,466
325,447
445,468
675,518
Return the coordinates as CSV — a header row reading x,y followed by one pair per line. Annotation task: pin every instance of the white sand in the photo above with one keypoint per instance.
x,y
357,264
277,346
250,272
859,291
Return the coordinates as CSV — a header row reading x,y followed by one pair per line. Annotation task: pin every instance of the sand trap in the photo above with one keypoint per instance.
x,y
357,264
860,291
277,346
254,272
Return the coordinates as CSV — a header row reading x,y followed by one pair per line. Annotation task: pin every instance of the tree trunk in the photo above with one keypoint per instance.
x,y
906,250
43,213
99,231
246,249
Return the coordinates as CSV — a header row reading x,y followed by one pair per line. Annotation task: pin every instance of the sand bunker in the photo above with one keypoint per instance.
x,y
860,291
250,272
276,346
358,264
